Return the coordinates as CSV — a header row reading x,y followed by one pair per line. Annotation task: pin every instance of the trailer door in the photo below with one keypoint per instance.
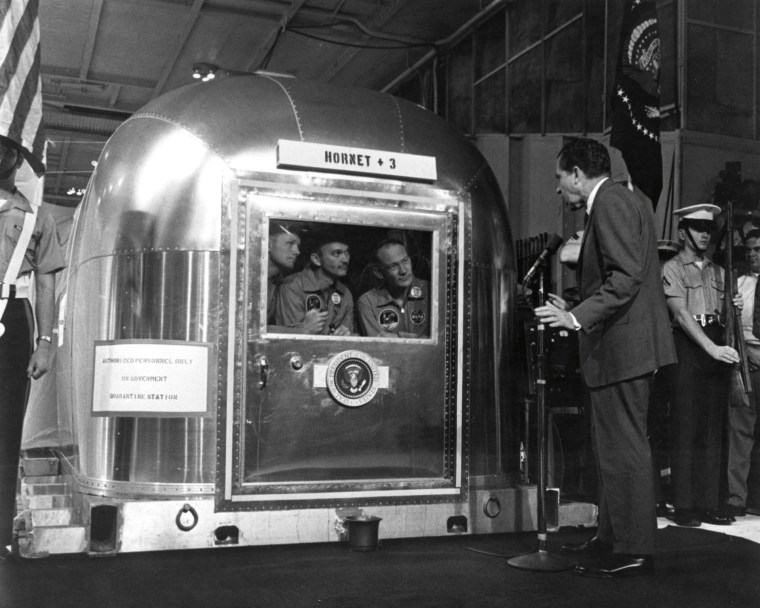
x,y
329,419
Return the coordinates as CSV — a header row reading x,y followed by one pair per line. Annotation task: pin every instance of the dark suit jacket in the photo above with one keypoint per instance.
x,y
625,329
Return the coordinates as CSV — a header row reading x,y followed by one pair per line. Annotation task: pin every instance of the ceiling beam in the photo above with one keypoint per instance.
x,y
53,72
62,200
182,38
267,45
348,54
460,34
92,34
64,157
114,96
273,9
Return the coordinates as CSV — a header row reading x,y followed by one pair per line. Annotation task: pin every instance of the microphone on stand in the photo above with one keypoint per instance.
x,y
541,560
552,245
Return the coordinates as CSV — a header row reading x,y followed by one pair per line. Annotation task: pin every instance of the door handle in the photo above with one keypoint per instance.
x,y
263,372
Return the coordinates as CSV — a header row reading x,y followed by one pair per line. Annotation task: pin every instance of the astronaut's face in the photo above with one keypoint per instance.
x,y
395,266
284,249
333,258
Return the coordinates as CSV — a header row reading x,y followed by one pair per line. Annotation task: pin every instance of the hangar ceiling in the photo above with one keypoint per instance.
x,y
104,59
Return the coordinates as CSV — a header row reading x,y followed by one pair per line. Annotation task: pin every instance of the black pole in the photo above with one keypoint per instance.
x,y
541,560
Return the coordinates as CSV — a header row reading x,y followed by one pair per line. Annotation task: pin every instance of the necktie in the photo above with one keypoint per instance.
x,y
756,312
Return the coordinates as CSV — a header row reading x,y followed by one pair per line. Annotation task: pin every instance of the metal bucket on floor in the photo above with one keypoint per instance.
x,y
362,532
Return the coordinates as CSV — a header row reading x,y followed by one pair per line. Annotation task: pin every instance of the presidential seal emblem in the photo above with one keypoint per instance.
x,y
352,378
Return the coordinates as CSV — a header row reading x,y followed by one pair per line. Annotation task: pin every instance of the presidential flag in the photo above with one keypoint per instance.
x,y
636,98
20,84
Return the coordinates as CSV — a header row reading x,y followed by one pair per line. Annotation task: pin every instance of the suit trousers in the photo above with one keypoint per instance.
x,y
742,433
698,402
627,516
16,346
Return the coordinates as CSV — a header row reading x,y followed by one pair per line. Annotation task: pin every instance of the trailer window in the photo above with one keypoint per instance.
x,y
348,280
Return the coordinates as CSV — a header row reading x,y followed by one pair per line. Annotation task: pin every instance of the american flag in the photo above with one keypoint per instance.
x,y
20,83
636,98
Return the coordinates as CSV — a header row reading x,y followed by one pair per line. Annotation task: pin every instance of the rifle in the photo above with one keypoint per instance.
x,y
734,331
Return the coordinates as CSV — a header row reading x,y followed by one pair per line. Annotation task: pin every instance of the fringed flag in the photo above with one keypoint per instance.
x,y
636,98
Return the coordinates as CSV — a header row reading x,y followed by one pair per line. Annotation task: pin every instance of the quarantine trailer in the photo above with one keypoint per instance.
x,y
190,421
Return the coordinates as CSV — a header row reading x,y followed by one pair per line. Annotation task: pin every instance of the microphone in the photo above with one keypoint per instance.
x,y
552,245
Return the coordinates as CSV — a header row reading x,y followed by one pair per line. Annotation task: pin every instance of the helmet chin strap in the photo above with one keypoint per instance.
x,y
691,238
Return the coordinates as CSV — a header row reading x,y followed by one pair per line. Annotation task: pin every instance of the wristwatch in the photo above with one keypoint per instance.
x,y
47,339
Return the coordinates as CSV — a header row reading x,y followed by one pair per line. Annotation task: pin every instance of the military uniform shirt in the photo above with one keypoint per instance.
x,y
301,292
701,288
43,254
381,315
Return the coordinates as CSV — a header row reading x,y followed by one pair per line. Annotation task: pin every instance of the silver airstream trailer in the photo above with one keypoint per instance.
x,y
191,421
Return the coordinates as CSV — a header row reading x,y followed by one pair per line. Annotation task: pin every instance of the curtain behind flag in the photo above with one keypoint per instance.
x,y
20,83
636,98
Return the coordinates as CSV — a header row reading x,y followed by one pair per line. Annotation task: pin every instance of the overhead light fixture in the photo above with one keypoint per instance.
x,y
205,71
208,71
75,191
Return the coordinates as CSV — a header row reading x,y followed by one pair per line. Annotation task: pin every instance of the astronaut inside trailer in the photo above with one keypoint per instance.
x,y
387,297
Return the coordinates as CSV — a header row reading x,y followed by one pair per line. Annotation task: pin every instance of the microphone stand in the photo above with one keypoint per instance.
x,y
540,560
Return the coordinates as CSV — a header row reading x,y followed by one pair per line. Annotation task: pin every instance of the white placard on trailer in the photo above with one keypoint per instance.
x,y
343,159
147,378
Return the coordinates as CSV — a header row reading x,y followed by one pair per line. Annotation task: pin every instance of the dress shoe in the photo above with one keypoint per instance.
x,y
685,518
735,510
593,547
714,518
618,565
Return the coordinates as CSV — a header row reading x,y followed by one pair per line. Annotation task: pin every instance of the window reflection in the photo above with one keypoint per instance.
x,y
342,279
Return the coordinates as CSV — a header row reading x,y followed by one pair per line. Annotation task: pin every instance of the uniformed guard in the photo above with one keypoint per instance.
x,y
694,288
315,301
29,248
400,306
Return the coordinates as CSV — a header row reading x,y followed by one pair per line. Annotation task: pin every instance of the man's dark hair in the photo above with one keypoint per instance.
x,y
588,155
277,228
752,234
325,236
382,244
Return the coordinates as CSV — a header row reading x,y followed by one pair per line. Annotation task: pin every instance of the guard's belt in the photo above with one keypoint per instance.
x,y
9,291
705,320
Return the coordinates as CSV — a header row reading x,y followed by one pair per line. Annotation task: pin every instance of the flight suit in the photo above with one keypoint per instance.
x,y
301,292
380,314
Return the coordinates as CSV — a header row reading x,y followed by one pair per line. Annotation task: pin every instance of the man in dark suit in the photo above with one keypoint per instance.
x,y
624,336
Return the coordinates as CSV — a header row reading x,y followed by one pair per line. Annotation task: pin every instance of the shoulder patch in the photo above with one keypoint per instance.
x,y
388,319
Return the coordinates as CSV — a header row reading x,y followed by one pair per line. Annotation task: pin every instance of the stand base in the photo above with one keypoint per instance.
x,y
541,561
